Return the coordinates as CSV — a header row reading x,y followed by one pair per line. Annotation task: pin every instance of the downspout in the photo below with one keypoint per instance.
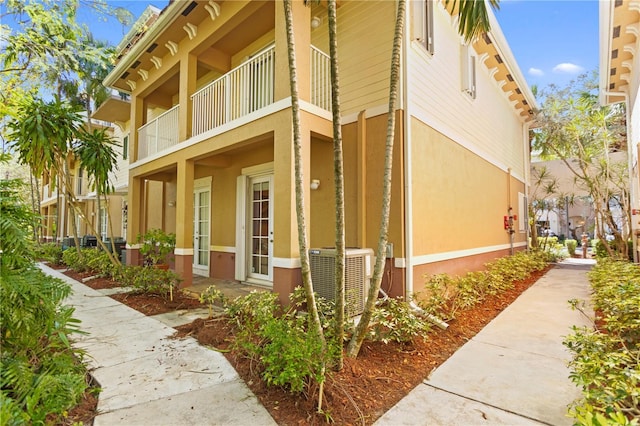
x,y
634,239
509,211
408,197
527,180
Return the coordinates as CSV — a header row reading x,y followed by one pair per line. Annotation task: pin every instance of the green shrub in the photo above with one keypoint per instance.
x,y
49,252
605,361
74,260
444,296
40,372
394,320
571,246
212,295
601,251
286,349
152,280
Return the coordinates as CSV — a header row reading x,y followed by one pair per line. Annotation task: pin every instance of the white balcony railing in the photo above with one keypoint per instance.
x,y
48,192
320,79
158,134
241,91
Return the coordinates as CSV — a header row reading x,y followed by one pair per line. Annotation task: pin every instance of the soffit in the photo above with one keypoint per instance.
x,y
622,55
494,52
175,23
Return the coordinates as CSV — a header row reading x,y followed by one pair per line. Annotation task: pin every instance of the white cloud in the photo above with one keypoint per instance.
x,y
536,71
568,68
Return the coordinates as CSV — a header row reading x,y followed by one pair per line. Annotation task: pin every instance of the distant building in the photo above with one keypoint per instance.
x,y
620,80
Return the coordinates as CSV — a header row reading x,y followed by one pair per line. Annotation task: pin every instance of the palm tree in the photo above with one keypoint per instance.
x,y
98,158
473,21
299,177
338,174
42,134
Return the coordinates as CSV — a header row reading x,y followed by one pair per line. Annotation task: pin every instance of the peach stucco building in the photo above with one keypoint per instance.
x,y
620,81
211,153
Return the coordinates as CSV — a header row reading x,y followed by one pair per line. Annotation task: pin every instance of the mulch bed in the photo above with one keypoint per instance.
x,y
363,390
368,385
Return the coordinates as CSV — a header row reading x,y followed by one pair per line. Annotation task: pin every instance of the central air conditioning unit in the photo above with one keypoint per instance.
x,y
358,270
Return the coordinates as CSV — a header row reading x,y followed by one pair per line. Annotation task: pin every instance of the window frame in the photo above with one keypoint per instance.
x,y
125,146
468,71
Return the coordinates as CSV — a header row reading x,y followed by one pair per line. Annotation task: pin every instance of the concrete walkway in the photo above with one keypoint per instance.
x,y
514,371
511,373
149,378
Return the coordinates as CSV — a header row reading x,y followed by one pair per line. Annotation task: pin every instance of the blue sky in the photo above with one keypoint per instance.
x,y
553,41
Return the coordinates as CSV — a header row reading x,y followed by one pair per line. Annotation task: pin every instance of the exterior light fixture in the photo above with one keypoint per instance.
x,y
315,184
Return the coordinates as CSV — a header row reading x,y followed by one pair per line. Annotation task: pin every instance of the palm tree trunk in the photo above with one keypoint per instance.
x,y
358,336
299,187
338,174
35,205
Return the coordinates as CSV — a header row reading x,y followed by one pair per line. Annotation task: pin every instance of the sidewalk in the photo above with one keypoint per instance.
x,y
514,371
149,378
511,373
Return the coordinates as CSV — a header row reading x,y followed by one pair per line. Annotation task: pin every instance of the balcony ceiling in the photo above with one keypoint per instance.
x,y
113,110
255,19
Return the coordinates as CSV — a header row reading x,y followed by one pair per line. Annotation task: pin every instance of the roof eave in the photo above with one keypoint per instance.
x,y
172,11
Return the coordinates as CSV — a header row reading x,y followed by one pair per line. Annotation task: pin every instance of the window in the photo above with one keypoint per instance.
x,y
79,182
468,72
125,147
423,24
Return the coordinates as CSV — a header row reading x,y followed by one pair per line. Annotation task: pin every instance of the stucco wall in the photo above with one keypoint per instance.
x,y
459,199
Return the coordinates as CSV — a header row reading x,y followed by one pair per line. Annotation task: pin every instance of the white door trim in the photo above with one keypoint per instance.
x,y
200,186
242,221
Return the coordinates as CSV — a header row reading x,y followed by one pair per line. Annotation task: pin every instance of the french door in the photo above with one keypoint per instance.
x,y
260,227
201,231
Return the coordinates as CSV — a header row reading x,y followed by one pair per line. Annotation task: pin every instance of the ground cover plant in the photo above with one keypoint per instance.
x,y
445,296
281,361
41,374
606,357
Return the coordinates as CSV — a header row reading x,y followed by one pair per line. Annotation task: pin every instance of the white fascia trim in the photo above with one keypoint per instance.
x,y
165,18
368,113
223,249
439,257
606,23
183,251
502,46
286,262
315,110
271,109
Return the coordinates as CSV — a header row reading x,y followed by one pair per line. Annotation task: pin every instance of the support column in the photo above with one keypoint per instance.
x,y
184,222
137,118
135,211
286,271
302,36
362,179
188,77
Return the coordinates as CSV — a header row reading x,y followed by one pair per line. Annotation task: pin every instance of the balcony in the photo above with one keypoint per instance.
x,y
249,87
320,79
48,193
158,134
240,92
